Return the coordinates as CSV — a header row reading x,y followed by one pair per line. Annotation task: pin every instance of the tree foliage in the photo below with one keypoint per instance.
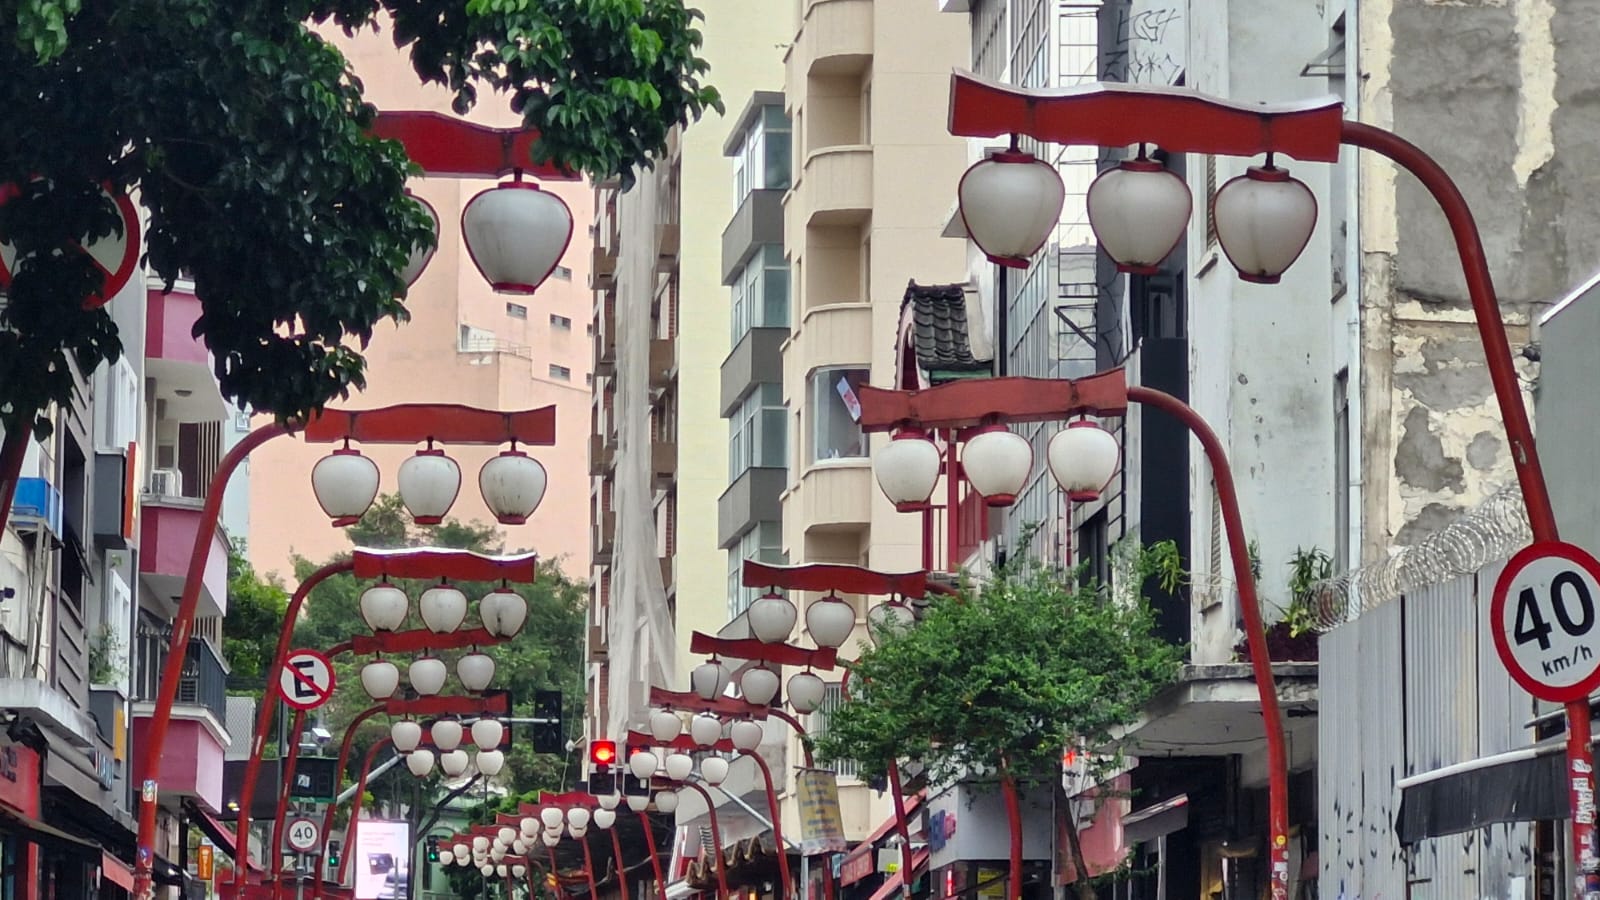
x,y
244,133
256,607
1010,673
546,655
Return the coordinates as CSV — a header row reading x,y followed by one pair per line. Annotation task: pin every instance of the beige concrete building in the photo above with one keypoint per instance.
x,y
464,344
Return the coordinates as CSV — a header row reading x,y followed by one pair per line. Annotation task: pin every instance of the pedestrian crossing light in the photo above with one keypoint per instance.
x,y
333,854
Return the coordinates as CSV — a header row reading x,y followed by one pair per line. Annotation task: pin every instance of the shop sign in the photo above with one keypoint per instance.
x,y
19,779
205,861
821,825
855,868
941,828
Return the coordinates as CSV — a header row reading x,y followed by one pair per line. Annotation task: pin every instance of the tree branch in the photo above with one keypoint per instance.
x,y
438,807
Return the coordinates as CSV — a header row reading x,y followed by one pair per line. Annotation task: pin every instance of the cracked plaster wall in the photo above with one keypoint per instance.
x,y
1504,95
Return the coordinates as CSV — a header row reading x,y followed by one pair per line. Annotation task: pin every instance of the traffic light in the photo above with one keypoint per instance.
x,y
602,777
431,846
548,734
333,854
603,754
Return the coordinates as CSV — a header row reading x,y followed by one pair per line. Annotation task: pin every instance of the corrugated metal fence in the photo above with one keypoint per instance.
x,y
1409,687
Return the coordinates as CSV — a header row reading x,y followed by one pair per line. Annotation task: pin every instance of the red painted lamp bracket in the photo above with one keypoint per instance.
x,y
689,701
445,146
759,651
833,577
1121,115
968,404
492,704
449,423
683,743
421,639
453,565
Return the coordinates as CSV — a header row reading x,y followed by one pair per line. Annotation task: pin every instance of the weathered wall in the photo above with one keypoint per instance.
x,y
1502,93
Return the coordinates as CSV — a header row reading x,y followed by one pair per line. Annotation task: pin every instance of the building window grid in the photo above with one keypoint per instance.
x,y
832,699
835,422
761,293
758,432
516,311
560,373
560,323
765,157
764,544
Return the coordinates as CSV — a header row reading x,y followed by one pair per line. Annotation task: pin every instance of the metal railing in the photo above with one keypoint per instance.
x,y
204,682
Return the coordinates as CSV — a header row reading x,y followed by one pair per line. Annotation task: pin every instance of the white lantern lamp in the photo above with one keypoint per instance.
x,y
462,851
665,725
487,733
447,857
512,485
529,827
421,254
642,764
427,675
772,618
577,817
1264,219
406,735
714,769
759,685
678,766
490,762
608,801
830,621
1083,459
891,617
380,679
486,870
454,763
806,691
745,734
667,801
476,671
383,607
446,734
638,802
907,469
480,844
516,234
705,730
420,762
502,870
1010,204
443,608
345,484
996,461
604,818
506,834
552,817
710,679
1139,211
550,840
519,870
429,482
503,612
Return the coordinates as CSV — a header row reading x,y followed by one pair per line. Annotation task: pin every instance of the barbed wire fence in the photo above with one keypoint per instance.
x,y
1497,528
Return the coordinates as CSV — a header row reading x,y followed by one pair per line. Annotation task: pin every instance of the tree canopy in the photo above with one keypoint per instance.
x,y
244,134
256,607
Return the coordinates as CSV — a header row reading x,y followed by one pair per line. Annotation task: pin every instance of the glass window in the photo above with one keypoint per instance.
x,y
560,323
761,293
563,273
763,543
836,414
758,432
516,311
765,159
561,373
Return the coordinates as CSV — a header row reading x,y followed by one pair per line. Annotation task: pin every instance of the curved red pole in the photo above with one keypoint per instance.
x,y
777,823
805,745
899,795
1008,791
155,740
286,775
655,857
1519,435
355,806
258,746
1254,626
588,869
338,780
716,838
622,868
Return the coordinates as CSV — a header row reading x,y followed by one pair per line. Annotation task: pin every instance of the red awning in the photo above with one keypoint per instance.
x,y
919,860
116,871
219,833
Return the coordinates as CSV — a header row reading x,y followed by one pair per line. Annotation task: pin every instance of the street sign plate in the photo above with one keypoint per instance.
x,y
303,835
307,679
1544,616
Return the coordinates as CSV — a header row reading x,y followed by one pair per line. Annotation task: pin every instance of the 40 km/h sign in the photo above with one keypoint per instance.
x,y
1545,619
303,835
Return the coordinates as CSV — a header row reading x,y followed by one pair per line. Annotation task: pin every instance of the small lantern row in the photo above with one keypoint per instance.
x,y
677,767
515,235
453,761
346,483
427,674
443,609
996,461
1011,203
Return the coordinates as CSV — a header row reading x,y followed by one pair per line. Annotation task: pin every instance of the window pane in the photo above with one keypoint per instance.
x,y
835,412
774,437
773,119
776,161
775,297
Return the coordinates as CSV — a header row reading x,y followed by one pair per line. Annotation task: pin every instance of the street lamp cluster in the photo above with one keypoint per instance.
x,y
346,482
514,232
997,461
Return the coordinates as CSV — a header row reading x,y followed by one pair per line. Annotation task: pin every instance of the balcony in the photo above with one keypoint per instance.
x,y
835,187
757,359
755,496
605,339
759,221
834,39
669,573
663,363
180,364
605,533
602,456
193,759
602,270
167,528
832,496
836,334
667,238
664,464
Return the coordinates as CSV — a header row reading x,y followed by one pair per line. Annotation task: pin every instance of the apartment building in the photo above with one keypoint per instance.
x,y
464,344
91,566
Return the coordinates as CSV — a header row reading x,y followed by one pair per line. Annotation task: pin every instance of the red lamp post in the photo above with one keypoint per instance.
x,y
403,424
1185,121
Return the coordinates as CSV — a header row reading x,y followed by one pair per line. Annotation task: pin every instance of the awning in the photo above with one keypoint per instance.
x,y
215,831
39,833
116,871
1157,820
919,861
168,875
1523,785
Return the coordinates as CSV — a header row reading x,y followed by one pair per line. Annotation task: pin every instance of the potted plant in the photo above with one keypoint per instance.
x,y
1293,638
107,659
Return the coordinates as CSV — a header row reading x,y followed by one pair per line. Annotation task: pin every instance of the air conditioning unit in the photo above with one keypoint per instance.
x,y
166,482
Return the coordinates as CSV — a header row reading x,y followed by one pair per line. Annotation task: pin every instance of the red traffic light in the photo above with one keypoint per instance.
x,y
603,753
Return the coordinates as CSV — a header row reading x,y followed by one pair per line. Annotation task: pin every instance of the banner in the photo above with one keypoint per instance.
x,y
379,857
821,825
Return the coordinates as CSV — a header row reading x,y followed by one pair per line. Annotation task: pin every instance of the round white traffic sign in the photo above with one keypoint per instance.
x,y
306,681
1544,616
303,835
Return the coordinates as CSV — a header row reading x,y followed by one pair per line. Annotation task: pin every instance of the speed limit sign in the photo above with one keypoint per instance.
x,y
1545,619
303,836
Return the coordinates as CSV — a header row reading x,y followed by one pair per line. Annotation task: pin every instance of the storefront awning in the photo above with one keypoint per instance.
x,y
116,871
44,835
215,831
1524,785
891,885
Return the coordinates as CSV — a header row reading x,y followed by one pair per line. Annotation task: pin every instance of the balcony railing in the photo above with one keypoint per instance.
x,y
204,682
